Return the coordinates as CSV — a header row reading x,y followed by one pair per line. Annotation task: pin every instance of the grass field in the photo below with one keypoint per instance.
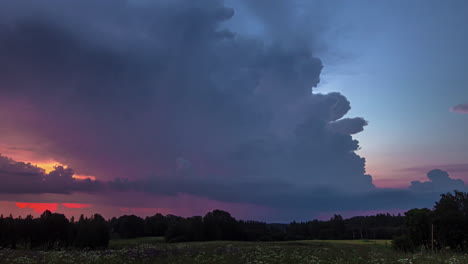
x,y
155,250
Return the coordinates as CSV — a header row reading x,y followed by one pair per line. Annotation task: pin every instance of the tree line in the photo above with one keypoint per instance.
x,y
445,226
53,231
220,225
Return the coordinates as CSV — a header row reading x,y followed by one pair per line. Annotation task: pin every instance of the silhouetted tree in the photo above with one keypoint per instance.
x,y
156,225
451,221
418,223
128,226
220,225
53,230
92,233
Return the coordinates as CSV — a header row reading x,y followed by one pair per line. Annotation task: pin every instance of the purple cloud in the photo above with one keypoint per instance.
x,y
22,178
439,181
461,108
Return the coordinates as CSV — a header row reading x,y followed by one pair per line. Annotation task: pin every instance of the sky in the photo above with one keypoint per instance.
x,y
271,110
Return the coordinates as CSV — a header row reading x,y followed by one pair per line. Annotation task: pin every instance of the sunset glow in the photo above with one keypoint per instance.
x,y
76,205
47,166
84,177
39,207
50,166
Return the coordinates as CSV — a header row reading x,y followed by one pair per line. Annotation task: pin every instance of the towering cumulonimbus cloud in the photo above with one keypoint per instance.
x,y
164,95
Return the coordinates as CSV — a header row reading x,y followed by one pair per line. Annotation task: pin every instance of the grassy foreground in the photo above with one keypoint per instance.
x,y
154,250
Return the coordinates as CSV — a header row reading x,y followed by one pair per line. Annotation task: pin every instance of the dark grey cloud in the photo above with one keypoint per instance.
x,y
348,126
22,178
164,94
289,199
294,24
439,181
461,108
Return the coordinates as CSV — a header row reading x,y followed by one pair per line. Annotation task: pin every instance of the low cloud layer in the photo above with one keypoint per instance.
x,y
461,108
23,178
20,179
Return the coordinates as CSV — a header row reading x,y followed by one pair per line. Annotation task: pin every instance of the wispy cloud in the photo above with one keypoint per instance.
x,y
452,168
461,108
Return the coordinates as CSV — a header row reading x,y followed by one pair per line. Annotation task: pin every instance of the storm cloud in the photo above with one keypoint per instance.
x,y
439,182
22,178
348,126
162,97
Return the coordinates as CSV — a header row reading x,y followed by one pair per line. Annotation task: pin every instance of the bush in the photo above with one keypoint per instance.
x,y
403,243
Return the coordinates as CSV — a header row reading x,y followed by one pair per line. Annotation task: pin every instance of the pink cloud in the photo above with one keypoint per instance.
x,y
391,182
461,108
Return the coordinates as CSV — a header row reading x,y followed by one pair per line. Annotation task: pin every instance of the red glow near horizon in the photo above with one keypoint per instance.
x,y
76,205
42,207
38,207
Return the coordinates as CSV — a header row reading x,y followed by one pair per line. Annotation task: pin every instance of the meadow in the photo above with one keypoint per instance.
x,y
155,250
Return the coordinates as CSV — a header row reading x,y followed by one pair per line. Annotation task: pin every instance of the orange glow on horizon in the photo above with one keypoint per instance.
x,y
47,166
84,177
50,166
